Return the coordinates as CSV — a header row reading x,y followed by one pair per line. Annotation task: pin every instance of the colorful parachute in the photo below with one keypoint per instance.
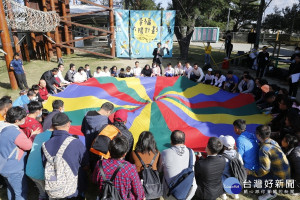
x,y
161,105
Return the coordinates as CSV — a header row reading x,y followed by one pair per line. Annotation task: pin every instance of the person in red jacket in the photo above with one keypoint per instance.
x,y
43,90
31,123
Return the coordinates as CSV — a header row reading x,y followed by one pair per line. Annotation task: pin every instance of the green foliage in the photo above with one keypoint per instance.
x,y
141,5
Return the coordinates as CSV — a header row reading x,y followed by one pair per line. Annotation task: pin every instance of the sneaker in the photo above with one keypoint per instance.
x,y
267,196
224,196
236,196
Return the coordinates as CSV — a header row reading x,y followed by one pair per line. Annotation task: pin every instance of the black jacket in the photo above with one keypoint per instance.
x,y
263,59
294,159
50,80
208,174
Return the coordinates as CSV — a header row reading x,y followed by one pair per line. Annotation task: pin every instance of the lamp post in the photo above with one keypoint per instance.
x,y
228,17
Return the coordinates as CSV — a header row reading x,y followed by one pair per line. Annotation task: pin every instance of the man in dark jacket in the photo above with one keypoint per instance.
x,y
58,106
294,71
92,124
208,171
88,71
70,74
263,61
49,77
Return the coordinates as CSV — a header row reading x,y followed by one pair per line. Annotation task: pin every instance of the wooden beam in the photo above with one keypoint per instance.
x,y
88,27
50,49
95,4
76,40
66,29
112,29
7,47
86,51
86,13
32,35
56,34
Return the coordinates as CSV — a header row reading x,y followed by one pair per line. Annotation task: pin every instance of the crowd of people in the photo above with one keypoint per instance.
x,y
37,145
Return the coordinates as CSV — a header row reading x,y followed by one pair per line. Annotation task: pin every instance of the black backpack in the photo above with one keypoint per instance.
x,y
236,167
109,192
151,181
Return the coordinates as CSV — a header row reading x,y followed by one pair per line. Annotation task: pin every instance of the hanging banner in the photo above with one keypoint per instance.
x,y
206,34
122,30
168,24
144,32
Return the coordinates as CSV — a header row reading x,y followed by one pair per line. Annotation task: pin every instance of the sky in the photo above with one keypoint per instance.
x,y
279,3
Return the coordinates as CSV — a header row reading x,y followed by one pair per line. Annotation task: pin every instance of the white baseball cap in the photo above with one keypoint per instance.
x,y
228,141
210,69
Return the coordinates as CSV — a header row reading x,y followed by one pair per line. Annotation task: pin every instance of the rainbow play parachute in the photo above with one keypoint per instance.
x,y
161,105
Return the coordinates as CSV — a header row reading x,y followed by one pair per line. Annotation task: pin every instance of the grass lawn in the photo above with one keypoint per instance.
x,y
35,69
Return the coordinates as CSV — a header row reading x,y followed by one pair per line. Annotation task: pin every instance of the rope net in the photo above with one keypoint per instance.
x,y
23,18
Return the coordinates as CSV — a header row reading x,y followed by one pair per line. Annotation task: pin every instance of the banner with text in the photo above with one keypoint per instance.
x,y
167,32
122,33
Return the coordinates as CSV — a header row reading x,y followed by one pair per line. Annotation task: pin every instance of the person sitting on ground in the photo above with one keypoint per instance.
x,y
146,148
269,103
31,123
209,77
61,68
92,123
169,71
228,151
291,148
98,71
36,89
75,153
80,75
137,70
155,69
247,145
5,105
70,73
105,72
114,71
246,85
147,71
49,77
127,180
122,73
196,74
23,100
175,159
208,171
179,69
129,72
43,90
231,83
187,69
219,80
88,71
273,164
13,141
58,106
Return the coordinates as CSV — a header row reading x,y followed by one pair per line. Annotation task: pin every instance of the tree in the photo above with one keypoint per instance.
x,y
274,21
186,15
292,18
141,5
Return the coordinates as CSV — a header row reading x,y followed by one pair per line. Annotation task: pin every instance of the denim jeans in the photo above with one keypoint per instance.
x,y
16,185
40,184
207,58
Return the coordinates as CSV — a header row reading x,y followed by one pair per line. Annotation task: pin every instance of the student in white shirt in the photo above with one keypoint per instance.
x,y
196,74
105,72
155,69
128,72
80,76
209,77
187,69
178,69
98,71
219,79
137,70
169,71
61,68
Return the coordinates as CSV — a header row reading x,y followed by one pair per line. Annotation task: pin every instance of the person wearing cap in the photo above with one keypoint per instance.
x,y
17,66
120,119
231,82
262,61
209,77
75,154
228,150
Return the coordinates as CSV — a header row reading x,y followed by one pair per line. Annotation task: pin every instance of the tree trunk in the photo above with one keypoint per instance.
x,y
184,39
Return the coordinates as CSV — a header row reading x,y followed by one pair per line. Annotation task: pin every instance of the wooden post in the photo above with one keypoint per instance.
x,y
32,35
112,29
49,45
6,44
58,50
66,30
